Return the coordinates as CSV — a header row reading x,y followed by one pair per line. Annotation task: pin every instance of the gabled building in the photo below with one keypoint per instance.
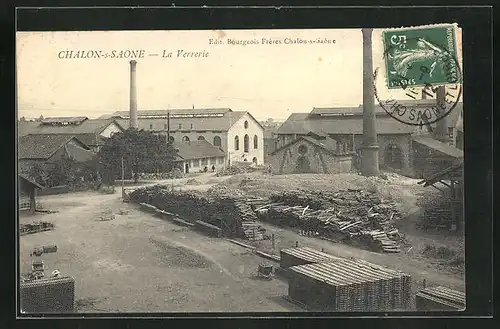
x,y
310,153
345,126
196,156
46,149
237,133
92,132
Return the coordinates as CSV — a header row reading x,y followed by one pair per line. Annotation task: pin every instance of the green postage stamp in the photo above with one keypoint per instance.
x,y
421,57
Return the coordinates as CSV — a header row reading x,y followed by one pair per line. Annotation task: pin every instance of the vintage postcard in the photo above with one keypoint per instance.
x,y
241,170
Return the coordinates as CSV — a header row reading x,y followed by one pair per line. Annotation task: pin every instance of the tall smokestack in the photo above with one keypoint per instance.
x,y
133,95
369,158
441,131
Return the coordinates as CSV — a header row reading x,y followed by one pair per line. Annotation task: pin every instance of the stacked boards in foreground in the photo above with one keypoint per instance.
x,y
325,282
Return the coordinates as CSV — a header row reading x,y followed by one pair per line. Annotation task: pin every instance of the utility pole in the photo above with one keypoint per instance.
x,y
168,127
369,159
123,180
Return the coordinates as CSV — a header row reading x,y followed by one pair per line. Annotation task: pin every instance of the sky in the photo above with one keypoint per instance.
x,y
269,80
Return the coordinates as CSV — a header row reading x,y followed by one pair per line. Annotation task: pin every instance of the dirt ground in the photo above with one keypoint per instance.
x,y
138,262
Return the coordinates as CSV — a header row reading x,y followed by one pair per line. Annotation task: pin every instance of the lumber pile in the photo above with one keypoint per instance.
x,y
35,227
221,207
350,215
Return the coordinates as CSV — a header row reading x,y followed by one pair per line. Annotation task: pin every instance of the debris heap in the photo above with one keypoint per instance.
x,y
351,215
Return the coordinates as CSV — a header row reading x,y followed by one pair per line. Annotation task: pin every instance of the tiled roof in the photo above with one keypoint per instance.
x,y
217,123
197,150
42,146
29,180
439,146
89,126
302,123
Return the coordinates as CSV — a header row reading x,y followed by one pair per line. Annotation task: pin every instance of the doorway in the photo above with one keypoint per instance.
x,y
187,168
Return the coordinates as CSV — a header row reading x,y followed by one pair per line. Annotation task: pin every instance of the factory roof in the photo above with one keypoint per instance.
x,y
349,120
77,126
303,123
185,119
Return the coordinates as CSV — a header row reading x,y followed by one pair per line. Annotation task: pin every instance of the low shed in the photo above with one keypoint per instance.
x,y
27,193
349,285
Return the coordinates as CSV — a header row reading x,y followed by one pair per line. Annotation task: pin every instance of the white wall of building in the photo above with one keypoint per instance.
x,y
111,129
239,129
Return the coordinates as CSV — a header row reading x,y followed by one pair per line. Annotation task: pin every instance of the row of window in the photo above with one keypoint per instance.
x,y
165,126
246,143
218,142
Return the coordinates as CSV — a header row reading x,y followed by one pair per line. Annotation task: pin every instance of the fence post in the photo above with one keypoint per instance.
x,y
296,243
272,239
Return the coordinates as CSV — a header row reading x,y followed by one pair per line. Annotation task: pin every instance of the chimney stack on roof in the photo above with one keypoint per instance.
x,y
133,95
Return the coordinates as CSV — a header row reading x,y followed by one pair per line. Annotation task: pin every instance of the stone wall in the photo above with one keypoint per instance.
x,y
315,159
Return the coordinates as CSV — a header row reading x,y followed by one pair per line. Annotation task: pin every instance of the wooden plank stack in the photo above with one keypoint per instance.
x,y
351,215
221,207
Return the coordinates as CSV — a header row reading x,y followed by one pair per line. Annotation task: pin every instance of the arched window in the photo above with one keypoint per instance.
x,y
246,124
201,138
246,142
217,141
255,142
236,143
185,139
171,139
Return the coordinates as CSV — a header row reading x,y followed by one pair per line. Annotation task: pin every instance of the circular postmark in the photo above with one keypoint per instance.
x,y
427,69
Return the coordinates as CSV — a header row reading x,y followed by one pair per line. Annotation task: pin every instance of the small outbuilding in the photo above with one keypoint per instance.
x,y
195,156
27,193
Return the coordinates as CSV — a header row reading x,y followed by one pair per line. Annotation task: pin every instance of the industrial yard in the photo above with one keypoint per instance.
x,y
125,259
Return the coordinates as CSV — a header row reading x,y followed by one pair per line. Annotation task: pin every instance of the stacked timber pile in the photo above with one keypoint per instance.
x,y
437,211
35,227
221,207
351,215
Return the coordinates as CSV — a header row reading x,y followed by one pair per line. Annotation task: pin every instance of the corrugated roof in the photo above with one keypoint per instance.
x,y
89,126
197,150
446,294
346,272
439,146
42,146
302,123
215,123
77,120
173,112
310,255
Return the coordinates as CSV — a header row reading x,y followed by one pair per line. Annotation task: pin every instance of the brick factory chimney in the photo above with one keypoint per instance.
x,y
133,95
369,153
441,131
